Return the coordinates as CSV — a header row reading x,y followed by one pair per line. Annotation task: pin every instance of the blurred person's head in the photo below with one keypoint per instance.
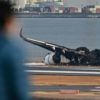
x,y
6,16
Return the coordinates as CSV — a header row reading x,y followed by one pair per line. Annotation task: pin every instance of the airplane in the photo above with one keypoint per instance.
x,y
78,56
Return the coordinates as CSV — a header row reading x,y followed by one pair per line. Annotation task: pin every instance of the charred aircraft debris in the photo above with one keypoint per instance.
x,y
79,56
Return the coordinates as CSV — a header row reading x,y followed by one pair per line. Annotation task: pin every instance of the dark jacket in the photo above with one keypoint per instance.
x,y
13,84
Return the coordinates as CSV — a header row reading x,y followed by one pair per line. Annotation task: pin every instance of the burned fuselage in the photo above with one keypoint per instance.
x,y
79,56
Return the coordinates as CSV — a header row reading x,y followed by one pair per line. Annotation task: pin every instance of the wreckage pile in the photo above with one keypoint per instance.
x,y
80,56
86,57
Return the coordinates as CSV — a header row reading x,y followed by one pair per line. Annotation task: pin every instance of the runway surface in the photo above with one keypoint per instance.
x,y
49,81
81,88
40,68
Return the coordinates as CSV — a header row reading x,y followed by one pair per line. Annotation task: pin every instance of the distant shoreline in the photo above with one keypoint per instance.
x,y
56,15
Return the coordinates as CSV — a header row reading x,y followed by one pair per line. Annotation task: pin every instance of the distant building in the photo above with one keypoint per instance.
x,y
57,1
31,1
97,7
19,3
79,10
91,9
45,6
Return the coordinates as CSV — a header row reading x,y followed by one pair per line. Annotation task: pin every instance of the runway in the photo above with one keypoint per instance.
x,y
81,88
49,81
42,69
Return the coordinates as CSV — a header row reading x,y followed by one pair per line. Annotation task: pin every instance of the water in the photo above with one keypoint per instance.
x,y
68,32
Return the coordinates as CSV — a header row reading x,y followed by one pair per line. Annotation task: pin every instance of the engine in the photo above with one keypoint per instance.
x,y
52,58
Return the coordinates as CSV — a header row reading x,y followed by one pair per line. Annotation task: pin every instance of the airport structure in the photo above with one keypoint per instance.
x,y
54,6
45,6
59,6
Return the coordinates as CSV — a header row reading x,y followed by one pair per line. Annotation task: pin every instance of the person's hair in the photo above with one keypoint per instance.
x,y
6,11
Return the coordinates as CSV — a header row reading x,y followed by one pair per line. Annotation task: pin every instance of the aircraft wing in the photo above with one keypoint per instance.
x,y
45,45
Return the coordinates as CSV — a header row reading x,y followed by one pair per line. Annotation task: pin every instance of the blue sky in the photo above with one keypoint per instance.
x,y
80,3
